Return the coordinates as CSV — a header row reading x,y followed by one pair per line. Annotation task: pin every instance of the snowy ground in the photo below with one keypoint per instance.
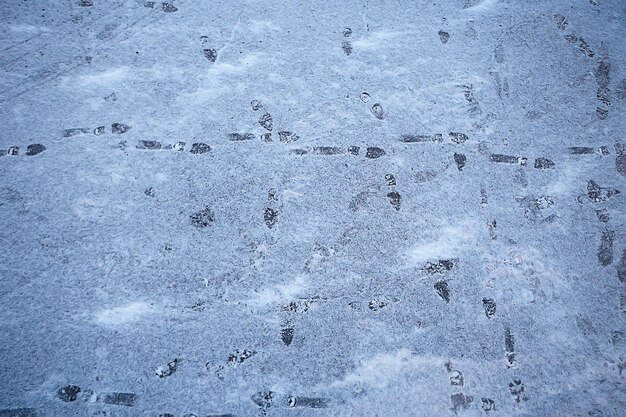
x,y
298,208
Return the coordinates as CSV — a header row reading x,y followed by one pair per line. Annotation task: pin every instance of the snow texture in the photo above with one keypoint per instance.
x,y
292,208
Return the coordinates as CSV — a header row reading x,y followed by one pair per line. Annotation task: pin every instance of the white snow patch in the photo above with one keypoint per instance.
x,y
451,241
566,183
279,293
128,313
110,76
218,80
262,26
483,6
378,39
28,28
220,68
385,369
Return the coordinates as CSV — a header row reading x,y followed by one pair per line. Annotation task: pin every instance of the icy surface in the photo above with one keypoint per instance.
x,y
339,208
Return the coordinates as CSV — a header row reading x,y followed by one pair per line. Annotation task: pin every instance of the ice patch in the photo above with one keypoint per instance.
x,y
128,313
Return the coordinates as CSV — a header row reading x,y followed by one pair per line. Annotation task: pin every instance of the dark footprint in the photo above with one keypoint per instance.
x,y
354,150
543,163
169,371
240,356
585,48
365,97
374,152
458,137
474,107
390,180
120,398
560,21
509,345
309,402
346,46
581,150
492,229
621,267
263,399
256,105
488,404
119,128
599,194
603,95
394,199
490,307
620,163
238,137
347,32
456,378
13,150
415,138
100,130
444,37
460,160
603,215
199,148
287,137
327,150
377,111
266,137
68,133
605,251
202,218
34,149
209,53
68,393
148,144
484,200
376,305
601,113
271,217
286,335
85,3
271,195
507,159
440,266
266,121
460,401
178,146
168,7
442,289
516,388
359,201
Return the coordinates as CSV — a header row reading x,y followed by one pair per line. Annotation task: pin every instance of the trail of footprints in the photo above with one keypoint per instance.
x,y
534,208
601,72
